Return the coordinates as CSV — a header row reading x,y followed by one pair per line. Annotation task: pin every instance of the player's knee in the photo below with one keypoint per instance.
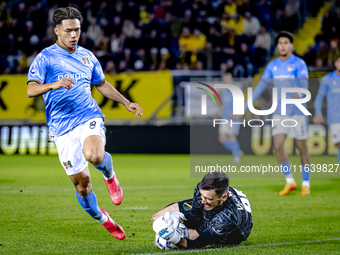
x,y
83,187
94,157
279,148
232,138
302,146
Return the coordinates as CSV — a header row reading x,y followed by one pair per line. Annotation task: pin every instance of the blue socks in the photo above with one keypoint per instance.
x,y
305,173
285,168
226,144
233,147
106,166
90,205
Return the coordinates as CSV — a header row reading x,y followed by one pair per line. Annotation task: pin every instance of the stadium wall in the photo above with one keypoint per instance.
x,y
164,139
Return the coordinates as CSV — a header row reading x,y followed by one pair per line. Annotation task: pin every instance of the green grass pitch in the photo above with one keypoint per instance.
x,y
40,214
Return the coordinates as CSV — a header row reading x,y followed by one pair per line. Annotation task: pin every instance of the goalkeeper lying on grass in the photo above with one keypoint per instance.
x,y
217,214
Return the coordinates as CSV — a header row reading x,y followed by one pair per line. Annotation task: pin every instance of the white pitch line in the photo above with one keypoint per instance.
x,y
238,247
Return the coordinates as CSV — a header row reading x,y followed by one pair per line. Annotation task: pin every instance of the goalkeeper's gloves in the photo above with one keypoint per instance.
x,y
166,227
176,218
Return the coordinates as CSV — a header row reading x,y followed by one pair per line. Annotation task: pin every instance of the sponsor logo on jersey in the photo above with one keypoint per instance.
x,y
76,76
34,69
67,164
85,60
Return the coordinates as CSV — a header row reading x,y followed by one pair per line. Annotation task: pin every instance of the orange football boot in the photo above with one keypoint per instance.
x,y
305,190
288,187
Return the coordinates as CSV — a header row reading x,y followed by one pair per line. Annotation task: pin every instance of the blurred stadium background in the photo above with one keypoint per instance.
x,y
149,51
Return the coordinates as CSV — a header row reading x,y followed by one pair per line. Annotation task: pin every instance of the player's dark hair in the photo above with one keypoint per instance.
x,y
285,34
218,181
65,13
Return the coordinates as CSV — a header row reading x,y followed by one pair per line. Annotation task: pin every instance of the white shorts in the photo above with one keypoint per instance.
x,y
70,145
335,132
299,132
227,129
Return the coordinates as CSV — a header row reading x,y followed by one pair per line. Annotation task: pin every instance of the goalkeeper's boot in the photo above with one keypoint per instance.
x,y
305,190
288,187
111,226
115,191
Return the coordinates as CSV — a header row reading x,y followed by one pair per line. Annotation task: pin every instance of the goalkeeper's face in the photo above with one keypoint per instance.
x,y
211,200
68,32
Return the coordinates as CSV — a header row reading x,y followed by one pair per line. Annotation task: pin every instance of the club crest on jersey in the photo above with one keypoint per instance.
x,y
290,68
67,164
92,124
187,206
34,69
85,60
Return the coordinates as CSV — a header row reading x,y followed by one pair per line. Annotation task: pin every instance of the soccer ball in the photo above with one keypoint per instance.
x,y
166,245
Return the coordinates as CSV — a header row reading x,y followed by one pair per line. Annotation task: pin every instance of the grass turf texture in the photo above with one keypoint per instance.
x,y
40,213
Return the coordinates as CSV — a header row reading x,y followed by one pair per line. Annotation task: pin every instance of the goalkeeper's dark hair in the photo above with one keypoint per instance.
x,y
285,34
65,13
218,181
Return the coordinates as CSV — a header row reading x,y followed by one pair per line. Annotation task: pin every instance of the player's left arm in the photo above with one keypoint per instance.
x,y
302,75
107,90
207,237
322,91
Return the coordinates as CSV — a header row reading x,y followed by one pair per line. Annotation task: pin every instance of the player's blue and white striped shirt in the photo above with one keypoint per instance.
x,y
66,109
286,74
330,87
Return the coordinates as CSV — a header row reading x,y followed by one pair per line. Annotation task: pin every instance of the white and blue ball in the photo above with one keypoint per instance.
x,y
166,245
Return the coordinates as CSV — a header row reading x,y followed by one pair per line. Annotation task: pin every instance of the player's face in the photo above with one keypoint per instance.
x,y
284,46
68,32
210,200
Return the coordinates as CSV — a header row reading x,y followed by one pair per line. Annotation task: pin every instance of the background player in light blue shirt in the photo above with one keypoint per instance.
x,y
330,87
227,133
288,71
62,74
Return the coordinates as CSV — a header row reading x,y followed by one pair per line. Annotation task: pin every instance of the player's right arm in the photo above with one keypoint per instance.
x,y
318,118
36,89
37,73
266,79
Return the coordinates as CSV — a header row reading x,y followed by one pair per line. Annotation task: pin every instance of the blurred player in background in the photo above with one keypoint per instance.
x,y
62,74
288,71
330,87
227,133
217,214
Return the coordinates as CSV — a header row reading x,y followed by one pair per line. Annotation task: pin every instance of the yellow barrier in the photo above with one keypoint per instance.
x,y
148,89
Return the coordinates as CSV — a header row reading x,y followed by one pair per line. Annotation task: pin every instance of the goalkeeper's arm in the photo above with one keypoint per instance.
x,y
207,237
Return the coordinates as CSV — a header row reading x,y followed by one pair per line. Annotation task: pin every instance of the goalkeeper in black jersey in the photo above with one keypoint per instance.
x,y
217,214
